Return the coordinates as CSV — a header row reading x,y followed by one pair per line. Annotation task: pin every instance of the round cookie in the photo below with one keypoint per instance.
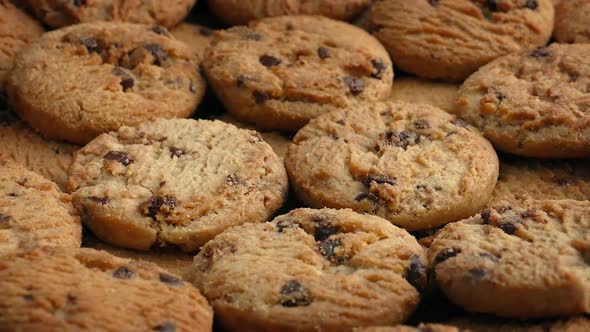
x,y
312,270
240,12
280,72
197,37
524,179
534,103
22,145
571,21
175,182
415,165
75,83
451,39
419,91
34,212
17,30
58,14
520,262
89,290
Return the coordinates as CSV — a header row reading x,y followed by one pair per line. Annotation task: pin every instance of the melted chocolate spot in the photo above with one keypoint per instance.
x,y
123,273
380,68
323,52
127,83
485,216
323,228
170,280
294,294
328,247
269,61
176,152
159,204
355,85
445,254
379,179
165,327
508,224
119,156
158,52
402,139
415,274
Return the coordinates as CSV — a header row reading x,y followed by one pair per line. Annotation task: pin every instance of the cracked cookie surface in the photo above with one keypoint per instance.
x,y
279,73
175,182
59,13
571,21
451,39
535,103
312,270
90,290
75,83
34,212
520,262
415,165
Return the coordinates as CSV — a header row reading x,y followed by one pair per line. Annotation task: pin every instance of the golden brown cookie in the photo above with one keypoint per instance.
x,y
571,21
280,72
419,91
34,212
87,290
77,82
414,165
312,270
175,182
535,103
197,37
451,39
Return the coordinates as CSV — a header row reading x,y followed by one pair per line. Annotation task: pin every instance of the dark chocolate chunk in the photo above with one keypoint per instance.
x,y
127,83
416,275
421,124
285,224
401,139
460,123
445,254
165,327
477,274
4,218
123,273
485,216
269,60
355,85
170,280
90,43
294,294
328,247
323,52
119,156
260,97
160,30
176,152
370,196
531,4
508,224
379,179
159,204
323,228
380,68
540,52
99,200
158,52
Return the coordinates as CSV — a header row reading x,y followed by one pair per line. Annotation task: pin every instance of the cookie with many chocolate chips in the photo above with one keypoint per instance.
x,y
571,21
419,91
237,12
89,290
61,13
78,82
279,73
34,212
415,165
522,262
535,103
175,182
312,270
451,39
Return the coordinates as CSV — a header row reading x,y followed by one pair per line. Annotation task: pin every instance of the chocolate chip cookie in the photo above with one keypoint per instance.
x,y
415,165
521,262
61,13
312,270
34,212
17,30
524,179
450,39
419,91
197,37
239,12
571,21
75,83
175,182
535,103
279,73
89,290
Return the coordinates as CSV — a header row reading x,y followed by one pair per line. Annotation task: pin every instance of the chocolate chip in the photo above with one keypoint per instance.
x,y
294,294
540,52
79,3
370,196
158,52
119,156
204,31
260,97
285,224
159,204
123,273
127,83
165,327
160,30
485,216
323,52
323,228
508,224
355,85
176,152
421,124
269,60
460,123
531,4
4,218
401,139
99,200
90,43
433,3
477,274
380,68
327,249
379,179
492,5
170,280
416,272
446,254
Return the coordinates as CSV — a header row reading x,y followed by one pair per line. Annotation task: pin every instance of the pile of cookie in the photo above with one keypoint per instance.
x,y
163,163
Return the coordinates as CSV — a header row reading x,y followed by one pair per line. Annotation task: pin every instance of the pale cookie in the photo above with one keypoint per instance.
x,y
525,179
175,182
59,13
415,165
78,82
238,12
312,270
34,212
197,37
494,324
17,29
419,91
571,21
523,262
279,73
535,103
89,290
450,39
